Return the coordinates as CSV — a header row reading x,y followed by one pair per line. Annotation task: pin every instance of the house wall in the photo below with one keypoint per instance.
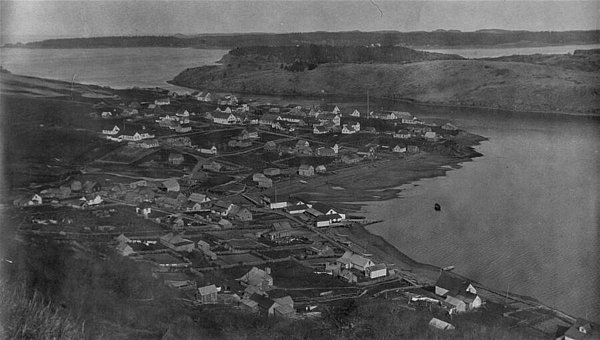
x,y
378,273
209,298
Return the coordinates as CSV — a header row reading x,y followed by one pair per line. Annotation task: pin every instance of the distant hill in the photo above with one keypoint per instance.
x,y
439,38
322,54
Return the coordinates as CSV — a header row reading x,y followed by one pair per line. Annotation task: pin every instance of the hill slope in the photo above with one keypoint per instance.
x,y
504,85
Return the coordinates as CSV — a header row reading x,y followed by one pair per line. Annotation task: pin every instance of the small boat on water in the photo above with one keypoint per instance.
x,y
437,207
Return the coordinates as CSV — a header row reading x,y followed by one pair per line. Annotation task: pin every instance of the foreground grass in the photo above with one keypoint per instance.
x,y
30,316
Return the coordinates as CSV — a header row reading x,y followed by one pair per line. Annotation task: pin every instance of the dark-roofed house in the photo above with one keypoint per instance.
x,y
366,151
447,283
459,293
320,130
580,330
266,306
207,294
280,229
177,243
199,198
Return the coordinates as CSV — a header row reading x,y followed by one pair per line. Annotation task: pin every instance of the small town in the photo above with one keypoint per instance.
x,y
219,197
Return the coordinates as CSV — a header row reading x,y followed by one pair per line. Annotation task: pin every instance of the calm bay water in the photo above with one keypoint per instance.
x,y
523,217
114,67
498,52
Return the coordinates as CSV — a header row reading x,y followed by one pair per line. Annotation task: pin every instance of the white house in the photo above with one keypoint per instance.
x,y
224,118
376,271
274,202
163,101
430,135
210,151
355,113
115,130
348,130
399,149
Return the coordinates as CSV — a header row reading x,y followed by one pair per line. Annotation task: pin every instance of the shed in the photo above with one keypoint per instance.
x,y
439,324
171,185
207,294
306,170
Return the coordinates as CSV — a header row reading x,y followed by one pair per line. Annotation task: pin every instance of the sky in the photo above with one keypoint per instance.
x,y
27,20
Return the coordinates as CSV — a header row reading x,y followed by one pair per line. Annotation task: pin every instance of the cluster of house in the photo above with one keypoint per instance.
x,y
244,139
321,214
257,283
77,195
350,265
459,294
143,140
180,122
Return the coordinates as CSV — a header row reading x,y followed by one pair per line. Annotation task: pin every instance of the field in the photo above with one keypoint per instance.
x,y
237,258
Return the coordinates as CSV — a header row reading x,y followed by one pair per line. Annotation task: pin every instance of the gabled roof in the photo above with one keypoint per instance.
x,y
360,260
285,301
285,309
282,226
378,267
323,208
222,115
328,217
263,302
255,276
198,197
122,239
452,283
212,289
171,183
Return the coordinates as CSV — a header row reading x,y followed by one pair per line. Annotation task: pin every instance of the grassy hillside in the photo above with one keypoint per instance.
x,y
504,85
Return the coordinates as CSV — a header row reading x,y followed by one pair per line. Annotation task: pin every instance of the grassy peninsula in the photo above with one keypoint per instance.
x,y
555,83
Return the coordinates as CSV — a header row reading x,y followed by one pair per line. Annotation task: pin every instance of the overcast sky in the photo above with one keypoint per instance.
x,y
100,18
